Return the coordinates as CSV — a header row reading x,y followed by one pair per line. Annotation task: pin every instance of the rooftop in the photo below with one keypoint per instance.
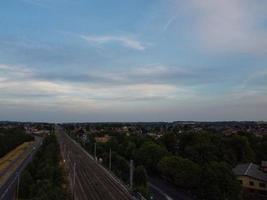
x,y
251,170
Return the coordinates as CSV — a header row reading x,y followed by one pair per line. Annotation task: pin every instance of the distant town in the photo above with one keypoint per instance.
x,y
144,160
153,129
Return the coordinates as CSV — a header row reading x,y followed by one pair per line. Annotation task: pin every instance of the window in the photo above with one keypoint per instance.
x,y
251,183
263,185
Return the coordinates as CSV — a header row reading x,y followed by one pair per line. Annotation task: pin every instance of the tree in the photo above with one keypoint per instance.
x,y
127,149
149,155
140,181
25,189
112,144
181,171
237,150
201,152
218,182
170,142
261,150
43,178
120,167
11,138
140,176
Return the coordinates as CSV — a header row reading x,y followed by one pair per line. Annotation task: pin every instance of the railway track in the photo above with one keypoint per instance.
x,y
92,181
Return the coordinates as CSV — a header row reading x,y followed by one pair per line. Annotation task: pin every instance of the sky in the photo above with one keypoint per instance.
x,y
125,60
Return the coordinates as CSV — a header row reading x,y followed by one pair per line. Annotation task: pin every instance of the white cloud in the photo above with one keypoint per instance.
x,y
148,99
14,72
169,22
125,41
231,25
257,77
26,90
157,69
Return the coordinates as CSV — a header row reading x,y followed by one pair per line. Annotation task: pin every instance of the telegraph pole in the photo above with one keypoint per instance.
x,y
95,151
64,151
18,188
68,156
74,180
131,174
68,161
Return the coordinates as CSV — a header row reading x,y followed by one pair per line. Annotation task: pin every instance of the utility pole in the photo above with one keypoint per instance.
x,y
64,151
68,156
68,162
131,174
110,159
74,180
95,151
18,188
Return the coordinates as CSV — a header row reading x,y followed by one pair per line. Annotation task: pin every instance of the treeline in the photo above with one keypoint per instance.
x,y
43,178
203,162
198,162
10,138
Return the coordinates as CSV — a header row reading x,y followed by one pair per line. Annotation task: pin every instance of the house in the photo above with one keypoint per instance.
x,y
103,139
264,166
252,178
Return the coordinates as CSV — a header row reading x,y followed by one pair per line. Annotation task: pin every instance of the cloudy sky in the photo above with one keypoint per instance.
x,y
133,60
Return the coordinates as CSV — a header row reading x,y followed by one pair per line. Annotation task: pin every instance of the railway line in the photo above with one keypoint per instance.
x,y
88,179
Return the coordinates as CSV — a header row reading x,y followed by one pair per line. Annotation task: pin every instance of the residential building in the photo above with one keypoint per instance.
x,y
252,178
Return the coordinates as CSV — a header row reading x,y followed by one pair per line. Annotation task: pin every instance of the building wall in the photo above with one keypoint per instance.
x,y
246,183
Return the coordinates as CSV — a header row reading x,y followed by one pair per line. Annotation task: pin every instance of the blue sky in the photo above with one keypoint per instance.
x,y
141,60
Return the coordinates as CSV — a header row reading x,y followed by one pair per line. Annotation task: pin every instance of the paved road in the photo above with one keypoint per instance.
x,y
162,190
91,180
158,194
8,189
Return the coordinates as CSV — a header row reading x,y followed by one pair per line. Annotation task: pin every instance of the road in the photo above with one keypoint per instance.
x,y
162,190
88,179
8,189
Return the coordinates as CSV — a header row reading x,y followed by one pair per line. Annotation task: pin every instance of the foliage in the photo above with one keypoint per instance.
x,y
140,181
169,140
140,176
218,182
43,178
261,150
149,154
120,167
207,147
181,171
238,150
12,137
128,149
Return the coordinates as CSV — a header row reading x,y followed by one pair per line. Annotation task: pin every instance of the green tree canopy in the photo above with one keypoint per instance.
x,y
170,142
218,182
140,180
140,176
181,171
237,149
150,154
